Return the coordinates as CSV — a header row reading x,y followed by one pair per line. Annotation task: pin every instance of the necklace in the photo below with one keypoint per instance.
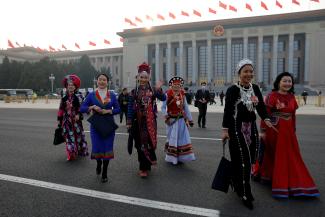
x,y
247,96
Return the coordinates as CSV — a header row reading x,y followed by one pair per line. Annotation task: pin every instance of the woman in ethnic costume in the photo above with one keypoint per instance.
x,y
239,126
281,162
70,118
177,118
142,118
103,102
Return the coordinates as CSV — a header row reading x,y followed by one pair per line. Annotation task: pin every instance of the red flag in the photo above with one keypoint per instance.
x,y
127,20
122,40
315,1
133,24
212,11
149,18
10,44
77,45
172,15
232,8
138,19
39,49
106,41
295,2
64,47
18,44
51,48
277,3
185,14
59,49
222,5
159,16
249,7
92,43
263,5
195,12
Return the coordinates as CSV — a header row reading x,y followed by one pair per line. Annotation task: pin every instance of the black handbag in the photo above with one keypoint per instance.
x,y
222,178
103,124
58,136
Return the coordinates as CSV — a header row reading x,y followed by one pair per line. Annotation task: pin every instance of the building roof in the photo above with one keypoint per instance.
x,y
277,19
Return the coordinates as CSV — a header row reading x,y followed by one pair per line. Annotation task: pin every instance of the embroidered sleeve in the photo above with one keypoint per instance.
x,y
86,103
116,107
229,110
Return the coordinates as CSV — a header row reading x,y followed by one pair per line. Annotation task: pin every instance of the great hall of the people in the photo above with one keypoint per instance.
x,y
209,50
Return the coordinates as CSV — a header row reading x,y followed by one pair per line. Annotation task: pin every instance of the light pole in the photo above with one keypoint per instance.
x,y
52,78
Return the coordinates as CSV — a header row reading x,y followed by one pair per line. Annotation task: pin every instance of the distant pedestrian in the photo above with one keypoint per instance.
x,y
70,118
221,96
188,96
304,95
123,101
202,97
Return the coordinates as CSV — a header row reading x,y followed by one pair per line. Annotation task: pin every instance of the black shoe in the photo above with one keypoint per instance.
x,y
104,180
199,125
248,203
203,126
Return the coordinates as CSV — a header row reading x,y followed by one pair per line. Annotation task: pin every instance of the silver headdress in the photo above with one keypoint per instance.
x,y
242,63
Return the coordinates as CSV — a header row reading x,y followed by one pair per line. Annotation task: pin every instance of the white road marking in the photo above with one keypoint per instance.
x,y
162,136
114,197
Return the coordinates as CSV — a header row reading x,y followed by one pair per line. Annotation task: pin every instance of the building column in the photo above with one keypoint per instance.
x,y
275,57
229,80
169,61
260,58
113,72
146,47
290,56
157,63
194,63
307,57
245,41
181,59
210,65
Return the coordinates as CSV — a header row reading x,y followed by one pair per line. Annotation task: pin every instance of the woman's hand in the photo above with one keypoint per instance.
x,y
97,109
76,118
106,111
225,134
270,125
159,84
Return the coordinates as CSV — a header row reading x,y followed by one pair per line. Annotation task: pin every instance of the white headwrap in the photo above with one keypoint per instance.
x,y
242,63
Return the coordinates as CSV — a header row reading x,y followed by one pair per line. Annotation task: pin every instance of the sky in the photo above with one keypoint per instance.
x,y
44,23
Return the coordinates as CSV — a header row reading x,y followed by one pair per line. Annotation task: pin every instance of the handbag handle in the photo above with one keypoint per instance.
x,y
224,142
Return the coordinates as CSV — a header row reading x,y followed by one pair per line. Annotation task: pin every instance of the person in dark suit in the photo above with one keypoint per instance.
x,y
202,97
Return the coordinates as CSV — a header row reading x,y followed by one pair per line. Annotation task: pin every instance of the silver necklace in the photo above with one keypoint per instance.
x,y
246,95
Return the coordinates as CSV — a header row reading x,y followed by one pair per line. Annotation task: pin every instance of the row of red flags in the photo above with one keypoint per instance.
x,y
222,5
52,49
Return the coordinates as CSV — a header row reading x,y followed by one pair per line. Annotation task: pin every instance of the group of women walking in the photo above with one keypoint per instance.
x,y
272,155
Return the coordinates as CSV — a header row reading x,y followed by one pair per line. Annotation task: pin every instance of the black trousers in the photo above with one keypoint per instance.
x,y
125,113
105,166
202,114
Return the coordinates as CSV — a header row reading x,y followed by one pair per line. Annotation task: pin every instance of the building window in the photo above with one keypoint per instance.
x,y
266,70
281,46
281,65
176,51
153,53
296,69
203,62
189,64
176,69
252,51
220,62
236,56
165,72
296,45
107,59
266,46
164,52
153,72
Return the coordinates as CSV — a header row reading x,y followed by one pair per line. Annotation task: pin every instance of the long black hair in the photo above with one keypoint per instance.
x,y
278,79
